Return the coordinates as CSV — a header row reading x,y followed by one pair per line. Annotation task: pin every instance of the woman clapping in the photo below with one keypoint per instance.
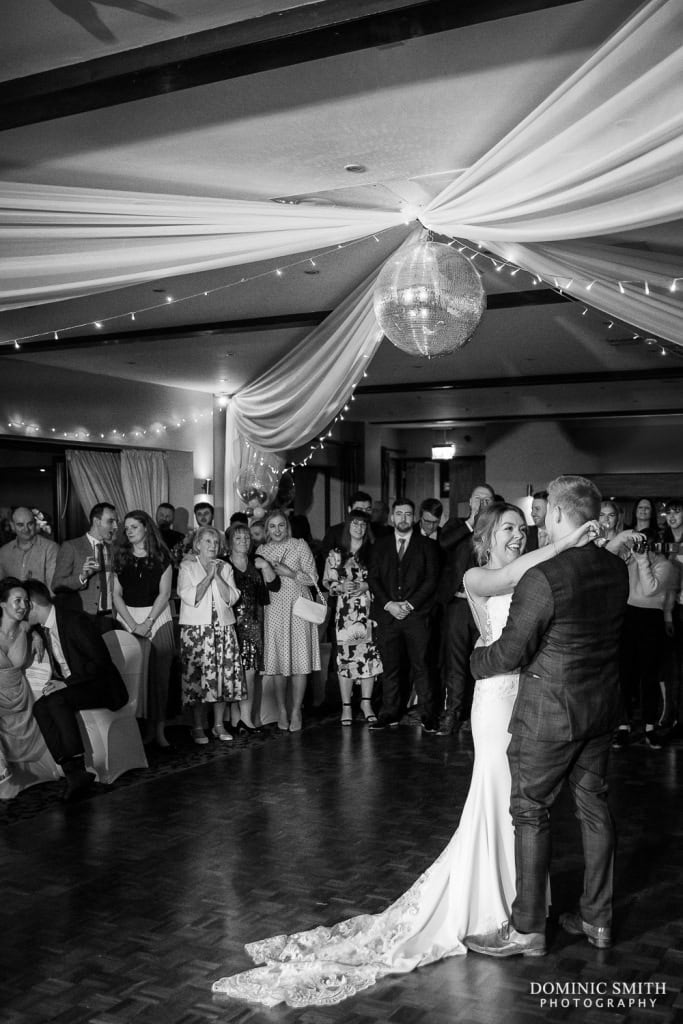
x,y
209,651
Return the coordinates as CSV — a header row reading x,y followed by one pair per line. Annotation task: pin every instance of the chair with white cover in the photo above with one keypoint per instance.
x,y
112,740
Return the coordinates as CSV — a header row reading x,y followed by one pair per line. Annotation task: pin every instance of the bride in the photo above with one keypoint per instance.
x,y
471,885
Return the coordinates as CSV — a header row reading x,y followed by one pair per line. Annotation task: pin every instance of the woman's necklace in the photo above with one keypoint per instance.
x,y
11,636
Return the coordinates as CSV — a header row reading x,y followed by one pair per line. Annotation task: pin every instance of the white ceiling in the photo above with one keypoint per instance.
x,y
412,113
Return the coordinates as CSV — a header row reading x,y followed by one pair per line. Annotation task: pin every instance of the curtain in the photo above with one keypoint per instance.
x,y
144,479
96,477
59,243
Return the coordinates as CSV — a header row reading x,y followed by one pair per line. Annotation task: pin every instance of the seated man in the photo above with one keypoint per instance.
x,y
84,676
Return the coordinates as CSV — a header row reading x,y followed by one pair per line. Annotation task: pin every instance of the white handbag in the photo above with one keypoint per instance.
x,y
311,611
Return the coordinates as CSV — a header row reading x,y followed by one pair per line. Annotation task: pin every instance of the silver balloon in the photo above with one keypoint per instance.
x,y
257,485
429,299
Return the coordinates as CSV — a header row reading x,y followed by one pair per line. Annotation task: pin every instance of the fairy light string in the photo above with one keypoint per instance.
x,y
472,251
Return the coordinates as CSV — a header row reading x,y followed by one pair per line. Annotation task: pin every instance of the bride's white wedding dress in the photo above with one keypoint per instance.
x,y
467,890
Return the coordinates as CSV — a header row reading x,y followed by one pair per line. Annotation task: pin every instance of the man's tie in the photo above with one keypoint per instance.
x,y
55,667
103,603
401,549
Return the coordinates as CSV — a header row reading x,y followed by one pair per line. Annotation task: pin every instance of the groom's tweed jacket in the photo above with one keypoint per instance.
x,y
563,633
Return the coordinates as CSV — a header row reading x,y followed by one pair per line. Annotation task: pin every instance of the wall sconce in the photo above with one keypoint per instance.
x,y
206,485
443,452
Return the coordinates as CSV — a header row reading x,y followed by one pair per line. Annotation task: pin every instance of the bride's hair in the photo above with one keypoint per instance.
x,y
486,524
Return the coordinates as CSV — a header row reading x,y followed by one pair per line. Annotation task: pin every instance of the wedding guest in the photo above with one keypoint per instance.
x,y
256,580
257,529
673,540
30,555
203,515
359,501
165,516
429,518
536,535
84,676
292,650
610,522
209,650
346,576
83,578
24,758
652,580
141,596
403,577
459,631
645,518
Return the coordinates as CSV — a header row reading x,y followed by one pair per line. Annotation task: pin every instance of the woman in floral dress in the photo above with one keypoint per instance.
x,y
291,643
346,577
255,579
209,652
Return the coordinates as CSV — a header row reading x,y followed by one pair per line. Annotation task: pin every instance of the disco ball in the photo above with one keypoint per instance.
x,y
429,299
256,486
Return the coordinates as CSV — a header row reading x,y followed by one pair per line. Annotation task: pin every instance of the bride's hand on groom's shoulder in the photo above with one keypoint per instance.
x,y
584,534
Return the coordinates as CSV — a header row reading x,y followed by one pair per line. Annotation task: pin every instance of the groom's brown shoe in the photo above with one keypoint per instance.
x,y
596,935
507,941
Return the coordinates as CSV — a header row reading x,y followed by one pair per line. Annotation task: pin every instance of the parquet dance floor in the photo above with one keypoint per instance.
x,y
125,907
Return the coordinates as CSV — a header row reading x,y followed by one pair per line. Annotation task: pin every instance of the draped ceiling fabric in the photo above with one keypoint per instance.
x,y
298,397
602,155
62,243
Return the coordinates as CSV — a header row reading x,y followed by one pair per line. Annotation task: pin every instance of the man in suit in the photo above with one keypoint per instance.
x,y
563,632
536,536
403,576
83,578
84,676
460,632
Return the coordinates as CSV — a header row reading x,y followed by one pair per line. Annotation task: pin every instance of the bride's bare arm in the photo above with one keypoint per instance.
x,y
482,582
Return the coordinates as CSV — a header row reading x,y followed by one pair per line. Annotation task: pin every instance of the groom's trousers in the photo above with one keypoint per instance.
x,y
538,769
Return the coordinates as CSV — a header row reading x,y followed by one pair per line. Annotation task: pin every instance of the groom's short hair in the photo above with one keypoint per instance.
x,y
37,592
578,498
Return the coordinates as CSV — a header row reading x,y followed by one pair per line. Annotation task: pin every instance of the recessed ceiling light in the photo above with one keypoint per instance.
x,y
355,168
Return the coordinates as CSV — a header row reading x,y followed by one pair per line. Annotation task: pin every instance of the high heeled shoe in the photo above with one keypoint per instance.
x,y
295,723
344,719
370,717
242,729
219,733
199,736
283,722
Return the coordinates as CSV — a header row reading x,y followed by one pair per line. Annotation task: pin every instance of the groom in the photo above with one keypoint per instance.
x,y
563,633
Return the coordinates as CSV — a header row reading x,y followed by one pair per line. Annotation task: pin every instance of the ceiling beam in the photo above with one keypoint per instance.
x,y
280,39
472,421
498,300
540,380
